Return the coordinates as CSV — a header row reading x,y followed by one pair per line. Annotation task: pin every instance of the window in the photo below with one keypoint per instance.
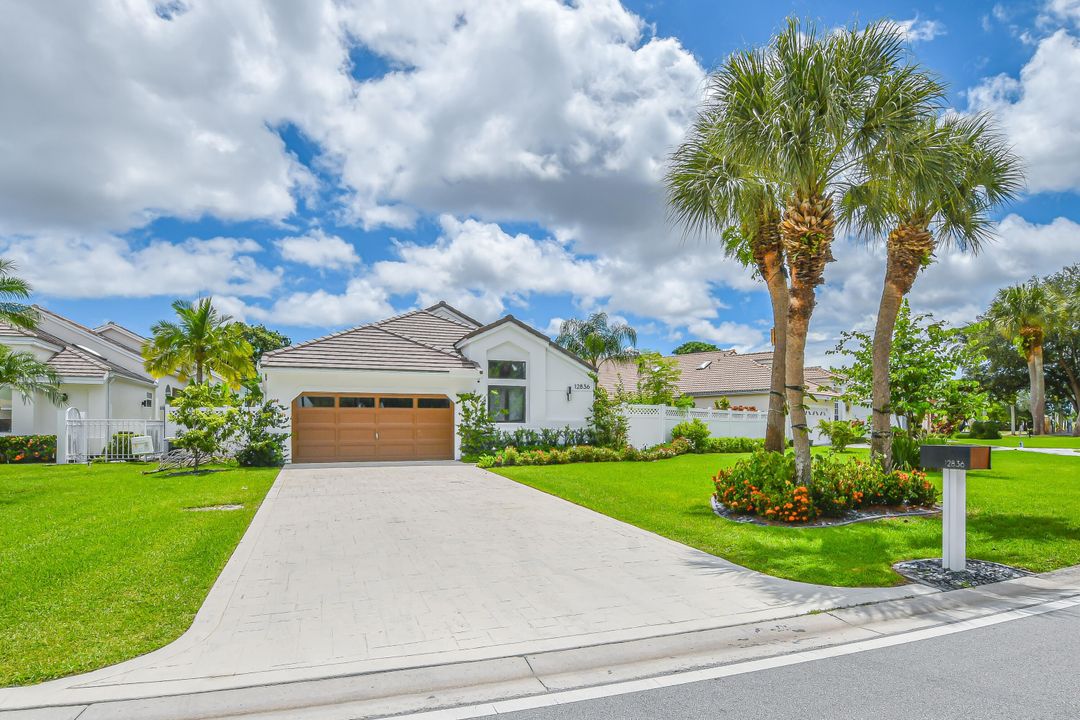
x,y
433,403
392,402
316,401
5,409
506,403
356,402
506,369
836,410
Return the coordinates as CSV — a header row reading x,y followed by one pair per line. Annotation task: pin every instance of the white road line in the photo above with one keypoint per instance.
x,y
692,676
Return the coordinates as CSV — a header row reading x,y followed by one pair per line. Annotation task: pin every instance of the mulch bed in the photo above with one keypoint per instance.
x,y
876,512
979,572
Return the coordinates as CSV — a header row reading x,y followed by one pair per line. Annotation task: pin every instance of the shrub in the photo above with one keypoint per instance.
x,y
119,444
763,485
477,429
984,430
511,456
606,420
208,415
261,436
842,433
27,448
695,432
734,445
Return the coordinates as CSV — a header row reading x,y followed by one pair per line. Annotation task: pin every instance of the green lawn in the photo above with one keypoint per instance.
x,y
1043,441
100,564
1024,512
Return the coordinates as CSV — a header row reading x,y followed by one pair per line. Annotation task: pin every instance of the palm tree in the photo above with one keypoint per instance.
x,y
708,192
596,339
203,341
28,376
1022,314
806,115
933,188
13,290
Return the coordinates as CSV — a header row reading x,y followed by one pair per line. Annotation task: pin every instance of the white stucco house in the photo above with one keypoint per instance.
x,y
389,390
101,373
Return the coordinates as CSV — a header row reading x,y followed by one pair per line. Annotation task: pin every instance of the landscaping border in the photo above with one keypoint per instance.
x,y
854,516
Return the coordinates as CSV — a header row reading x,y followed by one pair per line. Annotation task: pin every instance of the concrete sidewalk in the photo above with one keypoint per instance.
x,y
368,569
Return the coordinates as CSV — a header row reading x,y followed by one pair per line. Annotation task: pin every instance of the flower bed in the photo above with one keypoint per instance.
x,y
27,448
762,486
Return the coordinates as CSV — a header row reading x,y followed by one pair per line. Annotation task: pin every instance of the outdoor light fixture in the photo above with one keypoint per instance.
x,y
569,392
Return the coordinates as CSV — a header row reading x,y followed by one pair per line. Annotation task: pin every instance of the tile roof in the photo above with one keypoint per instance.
x,y
72,360
418,340
713,373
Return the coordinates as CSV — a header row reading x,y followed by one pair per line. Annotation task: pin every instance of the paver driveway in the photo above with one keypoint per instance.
x,y
349,569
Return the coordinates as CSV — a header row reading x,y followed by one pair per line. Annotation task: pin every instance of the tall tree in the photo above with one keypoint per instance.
x,y
695,346
13,292
201,341
934,187
709,191
262,340
596,339
1063,340
1022,313
807,115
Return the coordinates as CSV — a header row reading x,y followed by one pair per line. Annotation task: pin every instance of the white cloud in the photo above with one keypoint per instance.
x,y
109,266
361,302
318,250
728,334
956,288
917,30
1040,112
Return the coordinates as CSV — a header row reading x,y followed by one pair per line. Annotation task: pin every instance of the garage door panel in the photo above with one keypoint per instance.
x,y
372,427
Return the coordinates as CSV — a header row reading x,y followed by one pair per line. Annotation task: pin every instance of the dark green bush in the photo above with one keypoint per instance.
x,y
119,444
261,435
985,430
695,432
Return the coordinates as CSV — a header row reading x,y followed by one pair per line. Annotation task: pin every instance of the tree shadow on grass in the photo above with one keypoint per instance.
x,y
185,473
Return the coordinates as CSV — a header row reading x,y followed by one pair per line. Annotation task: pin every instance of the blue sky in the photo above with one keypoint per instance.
x,y
315,166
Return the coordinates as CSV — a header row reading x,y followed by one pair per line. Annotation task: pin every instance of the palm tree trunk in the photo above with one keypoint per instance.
x,y
909,245
1038,390
807,232
799,311
771,267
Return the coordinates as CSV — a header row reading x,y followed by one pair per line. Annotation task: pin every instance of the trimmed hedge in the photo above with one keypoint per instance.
x,y
588,453
28,448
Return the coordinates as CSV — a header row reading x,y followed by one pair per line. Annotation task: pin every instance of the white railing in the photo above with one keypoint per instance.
x,y
652,424
110,440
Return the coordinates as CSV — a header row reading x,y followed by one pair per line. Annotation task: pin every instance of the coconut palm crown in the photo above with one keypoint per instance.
x,y
596,339
201,342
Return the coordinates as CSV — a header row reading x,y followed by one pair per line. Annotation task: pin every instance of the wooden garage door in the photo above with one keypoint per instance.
x,y
330,427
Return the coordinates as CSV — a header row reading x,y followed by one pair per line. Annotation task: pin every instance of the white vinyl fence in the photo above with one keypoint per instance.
x,y
652,424
84,439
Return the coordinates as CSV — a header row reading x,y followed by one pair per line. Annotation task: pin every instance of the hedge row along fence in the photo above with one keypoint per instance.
x,y
588,453
28,448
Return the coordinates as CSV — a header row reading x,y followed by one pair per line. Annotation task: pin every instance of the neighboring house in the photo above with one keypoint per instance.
x,y
389,390
741,378
101,374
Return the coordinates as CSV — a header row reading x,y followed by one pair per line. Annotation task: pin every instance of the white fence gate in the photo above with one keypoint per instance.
x,y
652,424
86,439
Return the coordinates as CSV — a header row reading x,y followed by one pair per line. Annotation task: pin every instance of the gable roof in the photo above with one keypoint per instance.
x,y
529,329
426,340
723,372
420,341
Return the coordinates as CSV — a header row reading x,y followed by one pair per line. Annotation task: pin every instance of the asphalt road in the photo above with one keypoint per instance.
x,y
1019,670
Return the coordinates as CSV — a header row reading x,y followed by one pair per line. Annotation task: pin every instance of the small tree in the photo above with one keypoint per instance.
x,y
208,414
694,346
477,429
606,420
261,436
657,380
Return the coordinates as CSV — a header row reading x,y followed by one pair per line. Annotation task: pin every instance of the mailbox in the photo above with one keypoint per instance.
x,y
955,457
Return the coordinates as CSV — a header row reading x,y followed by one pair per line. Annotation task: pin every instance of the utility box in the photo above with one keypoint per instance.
x,y
955,457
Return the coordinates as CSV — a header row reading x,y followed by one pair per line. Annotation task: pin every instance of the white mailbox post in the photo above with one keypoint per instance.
x,y
954,462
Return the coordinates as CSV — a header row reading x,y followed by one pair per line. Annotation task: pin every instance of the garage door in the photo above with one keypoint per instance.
x,y
330,427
